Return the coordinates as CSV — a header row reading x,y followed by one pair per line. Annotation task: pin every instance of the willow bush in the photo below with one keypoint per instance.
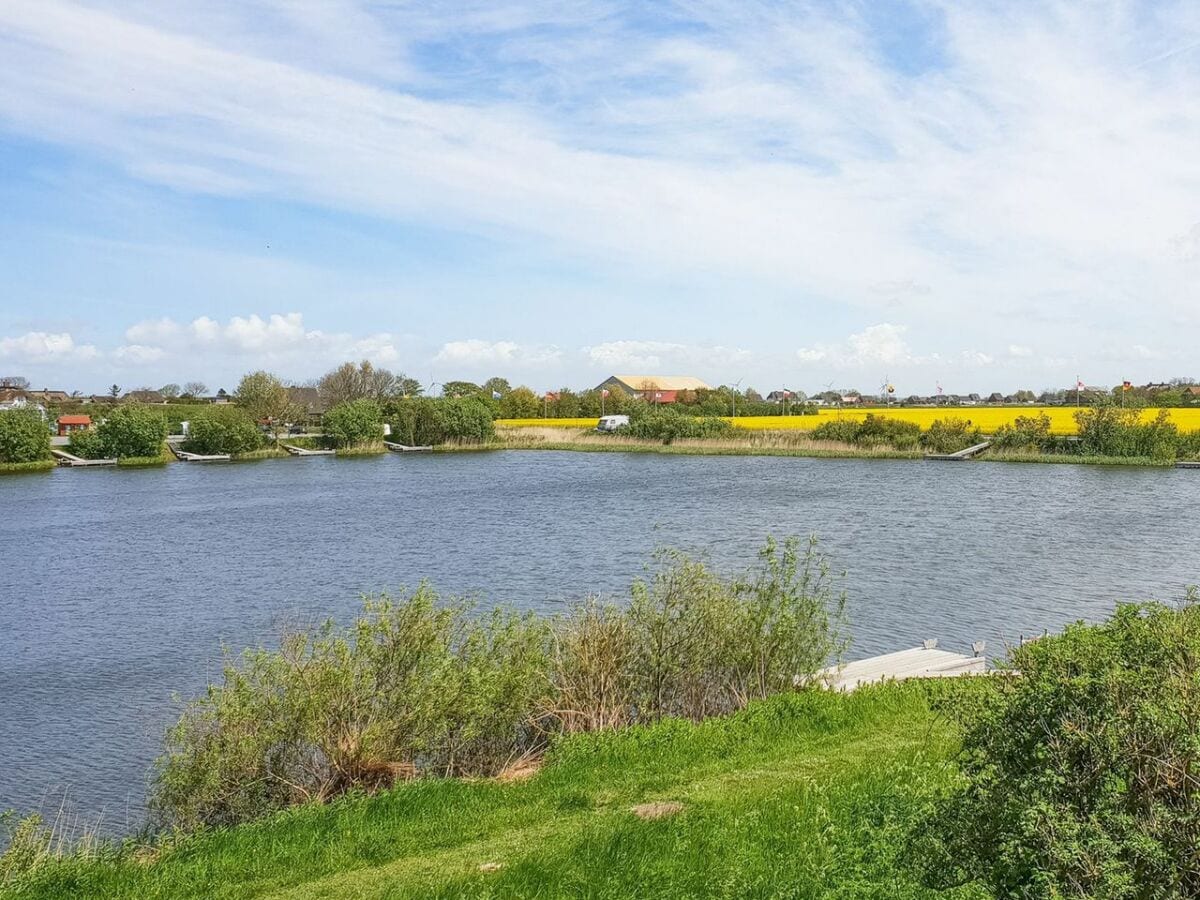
x,y
24,436
1081,775
223,429
422,685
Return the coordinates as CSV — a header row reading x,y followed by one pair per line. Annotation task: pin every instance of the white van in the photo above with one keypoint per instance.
x,y
611,423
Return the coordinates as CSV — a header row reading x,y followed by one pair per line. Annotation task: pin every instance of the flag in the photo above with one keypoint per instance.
x,y
939,389
604,393
1078,384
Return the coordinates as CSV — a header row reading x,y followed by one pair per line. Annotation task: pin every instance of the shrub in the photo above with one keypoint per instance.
x,y
127,430
666,424
419,686
427,421
413,686
354,423
223,429
24,436
1080,773
950,436
872,431
1113,431
1030,433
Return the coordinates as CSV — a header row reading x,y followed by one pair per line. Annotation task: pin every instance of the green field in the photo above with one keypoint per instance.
x,y
802,795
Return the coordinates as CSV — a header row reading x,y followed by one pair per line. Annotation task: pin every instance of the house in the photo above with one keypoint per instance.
x,y
148,397
307,400
69,424
47,397
653,388
784,396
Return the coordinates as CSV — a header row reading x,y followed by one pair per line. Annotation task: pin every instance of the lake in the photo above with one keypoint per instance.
x,y
118,588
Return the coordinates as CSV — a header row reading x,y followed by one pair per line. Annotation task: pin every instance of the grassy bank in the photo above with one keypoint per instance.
x,y
762,443
799,795
38,465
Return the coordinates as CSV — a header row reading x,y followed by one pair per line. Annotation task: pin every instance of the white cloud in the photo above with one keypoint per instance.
x,y
44,347
881,344
1019,350
476,352
139,354
278,338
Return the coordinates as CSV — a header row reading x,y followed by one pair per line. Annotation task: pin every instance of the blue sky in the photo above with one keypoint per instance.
x,y
981,195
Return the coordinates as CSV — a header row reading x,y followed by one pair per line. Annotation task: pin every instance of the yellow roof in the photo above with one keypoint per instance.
x,y
662,382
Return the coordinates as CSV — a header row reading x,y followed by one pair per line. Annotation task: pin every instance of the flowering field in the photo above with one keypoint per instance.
x,y
988,418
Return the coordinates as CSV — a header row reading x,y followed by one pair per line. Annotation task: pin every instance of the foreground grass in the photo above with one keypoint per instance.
x,y
805,795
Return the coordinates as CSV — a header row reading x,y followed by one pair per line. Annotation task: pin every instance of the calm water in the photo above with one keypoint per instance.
x,y
118,588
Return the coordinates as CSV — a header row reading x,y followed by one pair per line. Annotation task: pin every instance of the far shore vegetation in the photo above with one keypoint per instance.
x,y
355,408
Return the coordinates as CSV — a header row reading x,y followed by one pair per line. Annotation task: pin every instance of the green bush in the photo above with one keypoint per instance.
x,y
24,436
872,431
354,423
667,424
418,686
128,430
413,686
950,435
223,429
428,421
1031,433
1113,431
1080,773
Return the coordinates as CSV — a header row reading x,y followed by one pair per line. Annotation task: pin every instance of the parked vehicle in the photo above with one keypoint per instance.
x,y
612,423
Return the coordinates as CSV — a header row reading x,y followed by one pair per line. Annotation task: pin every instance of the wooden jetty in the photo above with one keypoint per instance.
x,y
402,448
920,662
961,454
302,451
184,456
66,459
1184,464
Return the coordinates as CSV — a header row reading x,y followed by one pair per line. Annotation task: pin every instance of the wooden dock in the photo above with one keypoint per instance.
x,y
961,454
920,662
303,451
184,456
1184,464
66,459
402,448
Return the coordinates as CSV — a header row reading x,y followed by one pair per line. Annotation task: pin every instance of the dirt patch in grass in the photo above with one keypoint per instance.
x,y
659,809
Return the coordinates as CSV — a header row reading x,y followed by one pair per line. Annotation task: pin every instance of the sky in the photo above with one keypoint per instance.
x,y
983,196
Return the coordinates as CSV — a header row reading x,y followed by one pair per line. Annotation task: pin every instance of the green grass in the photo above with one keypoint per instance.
x,y
269,452
38,465
372,449
1080,459
807,795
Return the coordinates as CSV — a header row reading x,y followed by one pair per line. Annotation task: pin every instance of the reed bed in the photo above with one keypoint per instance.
x,y
765,443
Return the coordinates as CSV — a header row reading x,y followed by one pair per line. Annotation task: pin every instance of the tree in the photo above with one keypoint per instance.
x,y
170,391
223,429
520,403
354,422
496,385
408,387
461,389
24,436
195,389
265,398
130,430
350,382
114,391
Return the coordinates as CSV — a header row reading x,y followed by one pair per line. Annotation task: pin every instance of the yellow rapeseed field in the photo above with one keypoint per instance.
x,y
988,418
